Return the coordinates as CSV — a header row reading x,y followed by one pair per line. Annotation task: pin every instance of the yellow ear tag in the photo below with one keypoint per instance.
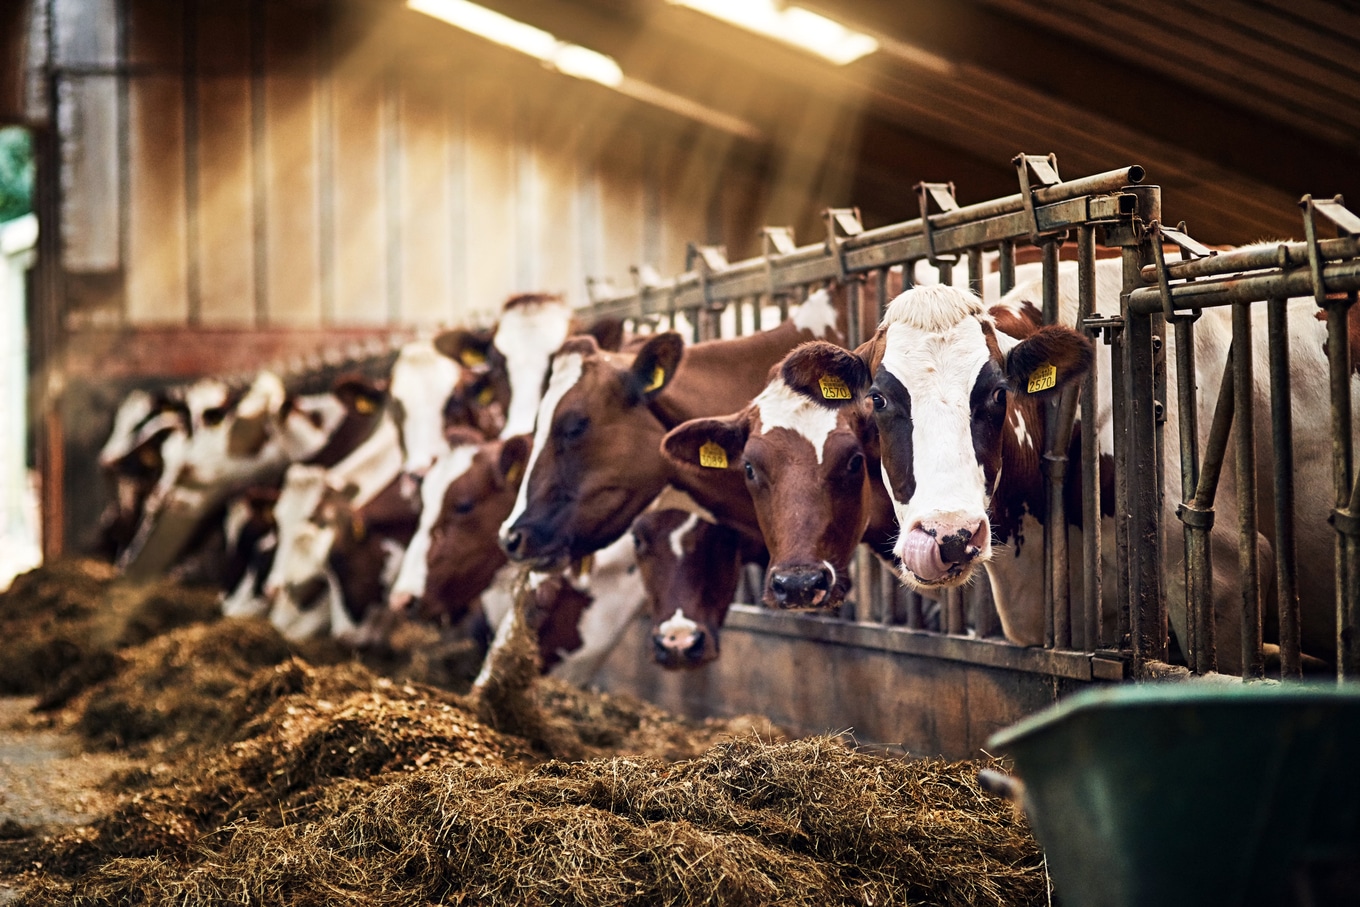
x,y
1043,377
485,397
472,358
712,455
658,379
356,525
512,477
585,565
364,406
833,388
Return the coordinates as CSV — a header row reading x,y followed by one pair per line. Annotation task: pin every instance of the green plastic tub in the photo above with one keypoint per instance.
x,y
1196,794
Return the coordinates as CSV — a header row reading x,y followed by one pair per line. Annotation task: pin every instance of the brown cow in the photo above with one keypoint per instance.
x,y
595,463
812,472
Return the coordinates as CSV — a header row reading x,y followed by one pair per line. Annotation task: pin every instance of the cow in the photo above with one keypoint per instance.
x,y
954,385
146,426
308,515
500,390
596,464
811,470
422,378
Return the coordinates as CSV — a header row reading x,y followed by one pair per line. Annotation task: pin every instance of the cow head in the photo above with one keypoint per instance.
x,y
594,463
423,376
454,555
946,385
804,447
690,568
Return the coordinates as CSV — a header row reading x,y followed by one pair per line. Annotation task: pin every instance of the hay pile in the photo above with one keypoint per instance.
x,y
277,781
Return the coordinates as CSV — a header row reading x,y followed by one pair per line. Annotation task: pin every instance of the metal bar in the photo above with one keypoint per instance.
x,y
1253,660
954,622
1285,255
1053,523
915,617
1336,277
1282,440
1090,449
1339,369
1147,603
815,263
1007,266
975,270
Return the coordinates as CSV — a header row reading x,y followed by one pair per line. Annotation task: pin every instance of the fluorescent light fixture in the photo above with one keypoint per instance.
x,y
576,61
491,25
584,63
794,25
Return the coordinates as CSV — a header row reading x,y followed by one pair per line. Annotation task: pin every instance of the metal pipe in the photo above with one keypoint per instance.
x,y
1253,659
1282,440
1339,370
1337,276
975,270
1007,266
1256,259
1090,451
953,612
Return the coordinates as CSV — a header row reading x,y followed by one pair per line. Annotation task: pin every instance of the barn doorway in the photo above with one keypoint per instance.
x,y
20,549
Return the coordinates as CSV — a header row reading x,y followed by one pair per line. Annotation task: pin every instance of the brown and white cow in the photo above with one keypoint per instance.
x,y
954,387
811,468
596,463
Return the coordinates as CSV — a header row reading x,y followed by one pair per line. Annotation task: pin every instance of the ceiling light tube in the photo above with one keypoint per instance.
x,y
793,25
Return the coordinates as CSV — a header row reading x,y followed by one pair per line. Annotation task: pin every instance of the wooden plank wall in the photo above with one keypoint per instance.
x,y
241,164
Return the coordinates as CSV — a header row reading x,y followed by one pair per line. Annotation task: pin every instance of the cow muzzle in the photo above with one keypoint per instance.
x,y
681,643
533,543
800,587
942,554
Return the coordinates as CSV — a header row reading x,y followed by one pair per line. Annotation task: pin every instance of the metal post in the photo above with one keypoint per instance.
x,y
1090,451
1007,266
1282,438
1253,661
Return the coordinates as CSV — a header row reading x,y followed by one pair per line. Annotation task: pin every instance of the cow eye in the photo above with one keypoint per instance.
x,y
464,507
750,471
215,415
855,463
573,427
999,396
879,401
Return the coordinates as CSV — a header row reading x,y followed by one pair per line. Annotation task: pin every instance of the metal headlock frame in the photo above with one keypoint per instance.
x,y
1081,642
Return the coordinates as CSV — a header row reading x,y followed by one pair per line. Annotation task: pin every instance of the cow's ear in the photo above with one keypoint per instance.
x,y
468,348
826,374
359,394
707,443
513,459
608,333
656,363
1048,360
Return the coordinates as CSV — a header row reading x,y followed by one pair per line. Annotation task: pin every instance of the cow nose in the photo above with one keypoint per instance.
x,y
400,601
957,547
804,587
672,650
513,543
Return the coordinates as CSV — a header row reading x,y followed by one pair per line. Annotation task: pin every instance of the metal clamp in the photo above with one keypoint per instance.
x,y
943,196
774,241
1345,522
1105,326
1045,169
711,260
841,223
1346,223
1196,517
1190,248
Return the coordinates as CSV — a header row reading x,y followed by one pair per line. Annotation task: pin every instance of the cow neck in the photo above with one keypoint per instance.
x,y
353,431
1020,487
717,377
373,465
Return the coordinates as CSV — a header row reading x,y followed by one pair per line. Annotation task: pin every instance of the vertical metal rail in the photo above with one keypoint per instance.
x,y
1147,601
1057,628
1282,441
1344,518
1253,661
1090,452
1006,266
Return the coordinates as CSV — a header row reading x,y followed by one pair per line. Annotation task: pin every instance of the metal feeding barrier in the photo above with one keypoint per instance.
x,y
1107,214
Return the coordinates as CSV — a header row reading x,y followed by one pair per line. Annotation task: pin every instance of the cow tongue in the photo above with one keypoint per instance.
x,y
921,555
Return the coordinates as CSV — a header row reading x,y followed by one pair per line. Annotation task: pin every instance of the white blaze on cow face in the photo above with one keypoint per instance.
x,y
410,582
567,369
422,380
677,538
302,489
781,407
935,349
527,336
816,315
132,412
677,632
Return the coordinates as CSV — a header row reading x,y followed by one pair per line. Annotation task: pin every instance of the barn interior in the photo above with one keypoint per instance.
x,y
228,186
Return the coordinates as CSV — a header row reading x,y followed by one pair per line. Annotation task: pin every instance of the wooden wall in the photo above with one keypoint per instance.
x,y
240,164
